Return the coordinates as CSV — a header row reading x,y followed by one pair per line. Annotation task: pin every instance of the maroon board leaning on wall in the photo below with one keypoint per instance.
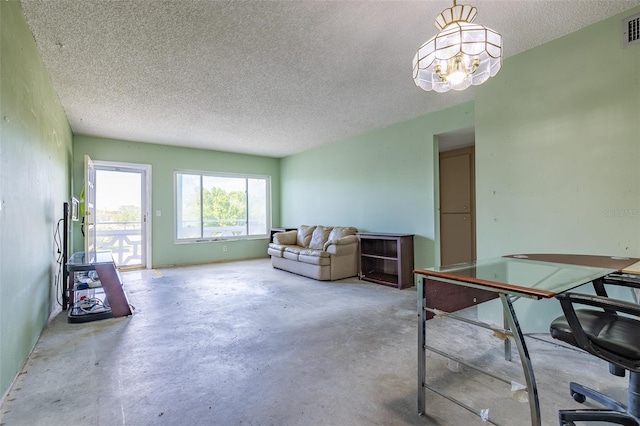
x,y
113,289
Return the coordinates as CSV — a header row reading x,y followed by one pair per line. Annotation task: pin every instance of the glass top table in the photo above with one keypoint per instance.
x,y
445,289
533,276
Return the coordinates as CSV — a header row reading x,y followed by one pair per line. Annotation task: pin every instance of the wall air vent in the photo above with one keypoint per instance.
x,y
631,30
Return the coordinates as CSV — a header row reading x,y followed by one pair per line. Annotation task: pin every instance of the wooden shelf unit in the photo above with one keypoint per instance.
x,y
386,259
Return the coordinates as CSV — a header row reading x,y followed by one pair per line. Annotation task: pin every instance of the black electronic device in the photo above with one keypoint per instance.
x,y
65,256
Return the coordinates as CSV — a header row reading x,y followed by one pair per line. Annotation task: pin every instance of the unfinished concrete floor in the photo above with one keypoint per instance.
x,y
241,343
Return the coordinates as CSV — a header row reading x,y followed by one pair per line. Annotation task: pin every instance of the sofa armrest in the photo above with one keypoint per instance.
x,y
285,238
342,246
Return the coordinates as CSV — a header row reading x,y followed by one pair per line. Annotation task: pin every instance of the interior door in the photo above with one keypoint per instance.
x,y
457,206
89,224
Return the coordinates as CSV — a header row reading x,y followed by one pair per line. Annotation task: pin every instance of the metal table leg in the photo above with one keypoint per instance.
x,y
525,360
507,341
422,356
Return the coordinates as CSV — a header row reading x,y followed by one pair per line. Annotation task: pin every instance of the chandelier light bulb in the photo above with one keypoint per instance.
x,y
456,77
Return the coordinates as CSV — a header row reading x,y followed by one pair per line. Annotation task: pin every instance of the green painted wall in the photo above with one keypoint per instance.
x,y
35,176
558,148
164,160
382,181
558,152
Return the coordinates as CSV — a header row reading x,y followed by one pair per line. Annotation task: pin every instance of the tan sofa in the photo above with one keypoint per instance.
x,y
320,252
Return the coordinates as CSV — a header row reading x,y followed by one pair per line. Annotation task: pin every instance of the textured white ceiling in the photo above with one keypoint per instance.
x,y
271,78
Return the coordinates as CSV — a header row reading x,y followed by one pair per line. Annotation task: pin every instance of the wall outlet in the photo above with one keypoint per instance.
x,y
224,248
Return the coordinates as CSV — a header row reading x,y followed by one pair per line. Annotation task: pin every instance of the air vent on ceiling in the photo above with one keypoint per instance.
x,y
631,30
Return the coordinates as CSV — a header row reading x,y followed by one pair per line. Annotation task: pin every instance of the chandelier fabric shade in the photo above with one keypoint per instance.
x,y
461,54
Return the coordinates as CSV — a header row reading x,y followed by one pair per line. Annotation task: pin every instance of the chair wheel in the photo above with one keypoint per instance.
x,y
569,424
578,397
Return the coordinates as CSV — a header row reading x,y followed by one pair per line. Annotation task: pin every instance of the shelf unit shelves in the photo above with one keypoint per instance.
x,y
386,259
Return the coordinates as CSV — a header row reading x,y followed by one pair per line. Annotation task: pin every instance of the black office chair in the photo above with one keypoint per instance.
x,y
609,336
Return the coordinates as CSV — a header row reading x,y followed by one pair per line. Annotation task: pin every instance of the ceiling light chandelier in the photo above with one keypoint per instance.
x,y
460,55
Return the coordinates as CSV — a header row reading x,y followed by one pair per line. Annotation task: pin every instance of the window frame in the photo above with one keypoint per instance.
x,y
201,174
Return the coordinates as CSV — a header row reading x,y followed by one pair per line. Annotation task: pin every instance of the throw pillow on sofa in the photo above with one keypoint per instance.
x,y
304,235
319,237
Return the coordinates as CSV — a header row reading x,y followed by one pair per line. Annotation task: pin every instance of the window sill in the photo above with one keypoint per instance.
x,y
221,239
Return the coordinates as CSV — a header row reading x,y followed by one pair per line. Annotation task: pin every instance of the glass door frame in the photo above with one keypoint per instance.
x,y
145,172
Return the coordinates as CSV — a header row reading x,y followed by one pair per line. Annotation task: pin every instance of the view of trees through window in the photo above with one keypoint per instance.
x,y
220,206
122,214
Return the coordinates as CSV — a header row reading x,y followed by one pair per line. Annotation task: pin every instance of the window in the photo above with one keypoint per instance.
x,y
217,206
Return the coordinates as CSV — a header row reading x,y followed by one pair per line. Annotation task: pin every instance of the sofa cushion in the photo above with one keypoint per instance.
x,y
319,237
312,252
314,257
278,249
291,252
304,235
274,251
342,231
